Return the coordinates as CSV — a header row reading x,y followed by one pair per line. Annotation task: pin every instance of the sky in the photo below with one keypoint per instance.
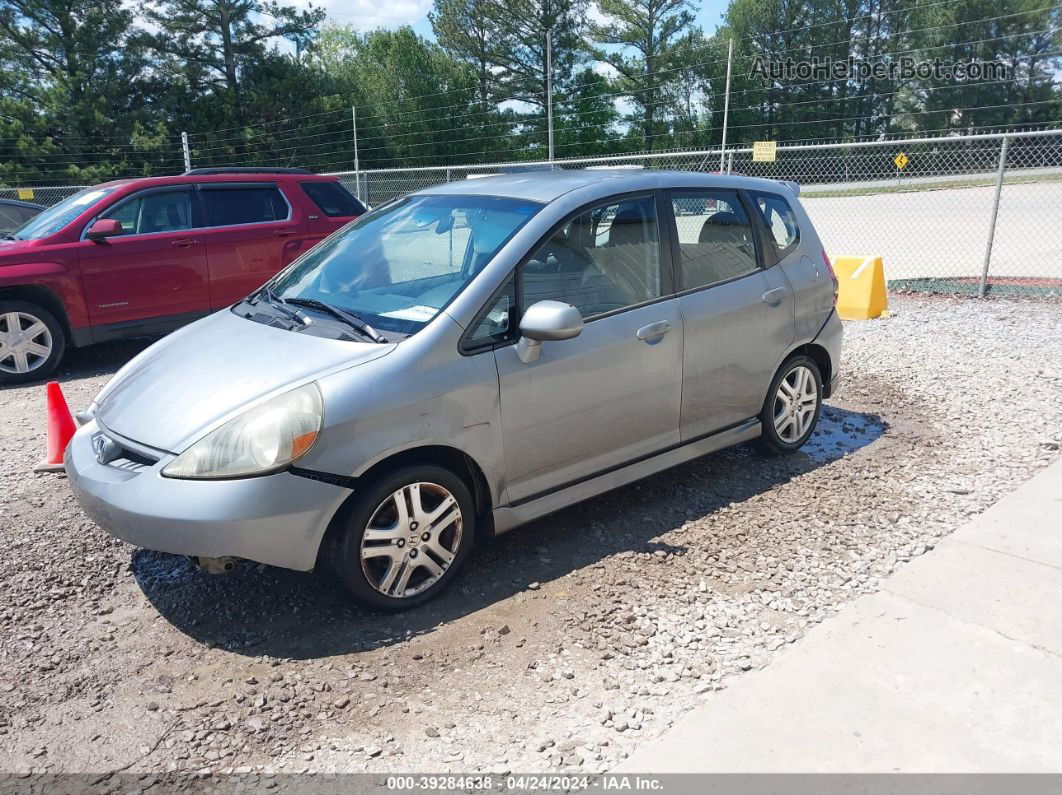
x,y
370,14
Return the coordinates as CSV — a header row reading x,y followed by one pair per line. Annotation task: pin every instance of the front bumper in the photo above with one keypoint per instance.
x,y
277,519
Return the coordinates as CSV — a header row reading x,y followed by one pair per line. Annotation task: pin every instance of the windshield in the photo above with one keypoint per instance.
x,y
59,215
399,265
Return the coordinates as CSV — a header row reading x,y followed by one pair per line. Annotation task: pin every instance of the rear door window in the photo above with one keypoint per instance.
x,y
715,239
233,205
332,199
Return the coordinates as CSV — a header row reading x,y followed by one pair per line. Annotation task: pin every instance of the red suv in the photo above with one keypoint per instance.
x,y
142,256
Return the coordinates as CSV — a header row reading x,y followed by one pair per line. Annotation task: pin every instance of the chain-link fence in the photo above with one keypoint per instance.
x,y
45,197
965,214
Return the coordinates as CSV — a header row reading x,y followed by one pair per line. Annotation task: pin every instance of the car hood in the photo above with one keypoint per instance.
x,y
9,249
191,381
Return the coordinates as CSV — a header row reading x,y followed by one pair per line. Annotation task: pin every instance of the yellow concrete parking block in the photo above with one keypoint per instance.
x,y
861,294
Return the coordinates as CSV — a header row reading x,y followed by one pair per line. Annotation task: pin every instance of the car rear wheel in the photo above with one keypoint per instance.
x,y
792,407
403,541
31,342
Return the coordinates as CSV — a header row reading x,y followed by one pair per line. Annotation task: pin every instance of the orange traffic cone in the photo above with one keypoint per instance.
x,y
60,428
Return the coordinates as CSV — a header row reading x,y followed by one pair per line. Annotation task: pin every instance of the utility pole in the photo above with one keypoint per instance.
x,y
357,168
187,152
726,103
549,91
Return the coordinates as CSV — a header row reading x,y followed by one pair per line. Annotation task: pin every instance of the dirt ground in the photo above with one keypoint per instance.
x,y
563,644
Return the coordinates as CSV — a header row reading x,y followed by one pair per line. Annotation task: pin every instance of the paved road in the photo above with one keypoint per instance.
x,y
955,666
943,233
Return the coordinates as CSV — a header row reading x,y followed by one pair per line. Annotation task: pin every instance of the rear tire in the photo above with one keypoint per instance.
x,y
404,539
32,342
792,408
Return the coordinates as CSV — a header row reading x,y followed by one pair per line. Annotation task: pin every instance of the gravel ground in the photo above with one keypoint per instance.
x,y
563,644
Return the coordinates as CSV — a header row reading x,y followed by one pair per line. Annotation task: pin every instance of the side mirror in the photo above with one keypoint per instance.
x,y
546,321
104,227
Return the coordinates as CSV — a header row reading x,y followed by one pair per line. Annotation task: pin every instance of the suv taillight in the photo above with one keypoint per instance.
x,y
833,275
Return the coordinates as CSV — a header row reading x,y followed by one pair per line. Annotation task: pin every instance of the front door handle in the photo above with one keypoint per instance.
x,y
774,297
184,242
284,232
653,330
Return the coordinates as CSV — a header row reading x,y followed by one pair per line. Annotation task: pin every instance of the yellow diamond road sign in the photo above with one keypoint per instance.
x,y
900,160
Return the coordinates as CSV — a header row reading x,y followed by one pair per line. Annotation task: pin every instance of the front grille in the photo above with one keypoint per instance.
x,y
112,453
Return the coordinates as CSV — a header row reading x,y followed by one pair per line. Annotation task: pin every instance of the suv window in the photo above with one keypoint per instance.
x,y
780,219
153,211
12,216
605,259
332,198
714,237
243,204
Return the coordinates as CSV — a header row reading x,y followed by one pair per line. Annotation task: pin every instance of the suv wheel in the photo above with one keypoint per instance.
x,y
31,342
401,543
792,408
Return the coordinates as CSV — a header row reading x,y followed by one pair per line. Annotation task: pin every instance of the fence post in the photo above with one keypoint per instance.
x,y
995,212
187,152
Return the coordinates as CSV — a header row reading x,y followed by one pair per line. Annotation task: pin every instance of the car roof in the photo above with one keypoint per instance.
x,y
233,176
20,203
547,186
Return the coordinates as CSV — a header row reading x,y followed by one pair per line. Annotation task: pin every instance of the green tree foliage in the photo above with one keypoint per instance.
x,y
644,40
101,89
220,40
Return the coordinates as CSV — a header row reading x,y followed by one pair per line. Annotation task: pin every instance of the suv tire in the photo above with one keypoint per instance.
x,y
31,342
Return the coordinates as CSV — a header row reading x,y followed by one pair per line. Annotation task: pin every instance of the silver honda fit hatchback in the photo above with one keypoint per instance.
x,y
462,360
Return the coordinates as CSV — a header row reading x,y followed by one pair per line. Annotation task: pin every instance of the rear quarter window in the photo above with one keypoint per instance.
x,y
333,199
780,220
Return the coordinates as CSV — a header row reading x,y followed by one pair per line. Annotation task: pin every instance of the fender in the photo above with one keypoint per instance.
x,y
64,287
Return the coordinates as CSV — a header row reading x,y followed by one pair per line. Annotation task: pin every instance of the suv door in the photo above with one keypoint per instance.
x,y
156,268
610,395
253,232
738,317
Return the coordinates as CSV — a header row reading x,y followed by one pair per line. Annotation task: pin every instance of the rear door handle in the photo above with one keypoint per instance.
x,y
775,296
653,330
184,242
284,232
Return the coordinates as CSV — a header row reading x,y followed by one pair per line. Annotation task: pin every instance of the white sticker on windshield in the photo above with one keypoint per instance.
x,y
418,314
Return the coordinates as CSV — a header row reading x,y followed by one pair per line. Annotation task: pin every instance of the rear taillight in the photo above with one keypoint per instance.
x,y
833,275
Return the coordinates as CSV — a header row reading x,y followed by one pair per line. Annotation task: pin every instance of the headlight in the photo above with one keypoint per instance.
x,y
261,440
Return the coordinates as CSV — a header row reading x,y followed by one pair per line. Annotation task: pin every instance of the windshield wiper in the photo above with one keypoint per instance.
x,y
278,303
8,237
346,316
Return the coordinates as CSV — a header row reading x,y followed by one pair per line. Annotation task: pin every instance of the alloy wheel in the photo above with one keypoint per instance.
x,y
25,342
411,540
795,404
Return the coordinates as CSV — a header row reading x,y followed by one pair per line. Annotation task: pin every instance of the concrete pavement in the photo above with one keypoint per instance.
x,y
954,666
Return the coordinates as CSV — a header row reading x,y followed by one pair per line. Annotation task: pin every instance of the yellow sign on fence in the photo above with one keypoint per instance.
x,y
26,194
901,160
861,288
764,151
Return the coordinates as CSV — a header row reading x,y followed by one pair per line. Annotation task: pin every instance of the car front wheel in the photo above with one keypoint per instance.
x,y
402,542
31,342
792,407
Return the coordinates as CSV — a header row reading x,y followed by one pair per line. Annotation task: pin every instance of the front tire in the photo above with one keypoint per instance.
x,y
31,342
402,542
791,410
